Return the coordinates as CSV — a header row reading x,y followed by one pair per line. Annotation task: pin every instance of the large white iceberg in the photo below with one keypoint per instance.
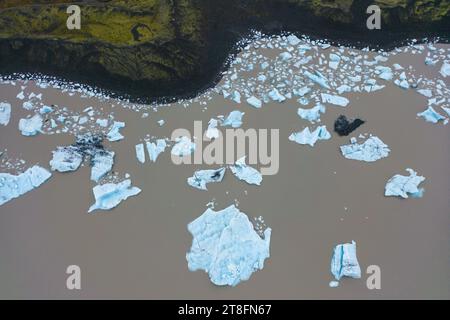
x,y
183,147
5,113
402,186
234,119
344,262
371,150
114,134
102,162
226,246
109,195
430,115
308,137
245,172
31,126
13,186
312,114
66,159
155,149
202,177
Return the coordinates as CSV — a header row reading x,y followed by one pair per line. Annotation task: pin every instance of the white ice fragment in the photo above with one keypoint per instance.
x,y
5,113
302,91
333,99
402,186
285,56
102,163
425,92
402,83
234,119
312,114
276,96
254,102
45,109
344,262
447,110
20,95
66,159
183,147
28,105
212,132
430,115
246,173
202,177
102,122
318,78
155,149
161,122
109,195
333,284
13,186
293,40
31,126
308,137
445,69
226,246
114,134
371,150
140,152
236,96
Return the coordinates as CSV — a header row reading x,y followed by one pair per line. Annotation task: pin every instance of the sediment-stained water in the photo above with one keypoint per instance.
x,y
318,199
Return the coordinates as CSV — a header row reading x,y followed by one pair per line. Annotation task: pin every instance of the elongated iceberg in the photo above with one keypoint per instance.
x,y
308,137
226,246
5,113
109,195
202,177
67,158
371,150
344,262
245,172
31,126
13,186
405,186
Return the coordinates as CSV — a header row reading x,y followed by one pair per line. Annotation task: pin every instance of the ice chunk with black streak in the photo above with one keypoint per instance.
x,y
254,102
102,162
344,262
66,159
371,150
404,186
308,137
109,195
246,173
202,177
226,246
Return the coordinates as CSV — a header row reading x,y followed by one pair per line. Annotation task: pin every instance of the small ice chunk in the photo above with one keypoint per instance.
x,y
308,137
333,284
245,172
45,109
28,105
344,262
371,150
234,119
402,83
13,186
447,110
155,149
318,78
402,186
276,96
285,56
226,246
425,92
102,163
254,102
66,159
20,95
140,152
202,177
161,122
102,122
5,113
312,114
31,126
333,99
212,132
109,195
445,69
114,134
183,147
430,115
236,96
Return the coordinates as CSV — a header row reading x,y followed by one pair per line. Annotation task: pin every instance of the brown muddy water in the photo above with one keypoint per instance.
x,y
137,250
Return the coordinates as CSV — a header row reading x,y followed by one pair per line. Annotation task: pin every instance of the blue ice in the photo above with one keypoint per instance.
x,y
66,159
371,150
114,134
234,119
344,262
203,177
5,113
109,195
246,173
31,126
102,163
312,114
430,115
308,137
183,147
155,149
402,186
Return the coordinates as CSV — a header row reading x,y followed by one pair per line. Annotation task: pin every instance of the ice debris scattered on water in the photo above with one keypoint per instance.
x,y
13,186
371,150
114,134
312,114
109,195
31,126
234,119
183,147
308,137
5,113
246,173
154,149
404,186
430,115
344,262
226,246
202,177
344,126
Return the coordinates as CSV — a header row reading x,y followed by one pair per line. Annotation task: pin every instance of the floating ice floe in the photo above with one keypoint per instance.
x,y
333,99
430,115
5,113
140,152
404,186
226,246
312,114
155,149
245,172
202,177
234,119
66,159
183,147
318,78
344,262
236,96
445,69
371,150
254,102
276,96
102,162
425,92
114,134
344,127
13,186
31,126
109,195
308,137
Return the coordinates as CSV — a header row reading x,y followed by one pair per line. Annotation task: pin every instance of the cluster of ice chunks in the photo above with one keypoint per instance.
x,y
13,186
371,150
226,246
109,195
310,138
405,186
5,113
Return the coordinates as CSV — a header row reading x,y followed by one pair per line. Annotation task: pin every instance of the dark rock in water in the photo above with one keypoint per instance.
x,y
344,126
